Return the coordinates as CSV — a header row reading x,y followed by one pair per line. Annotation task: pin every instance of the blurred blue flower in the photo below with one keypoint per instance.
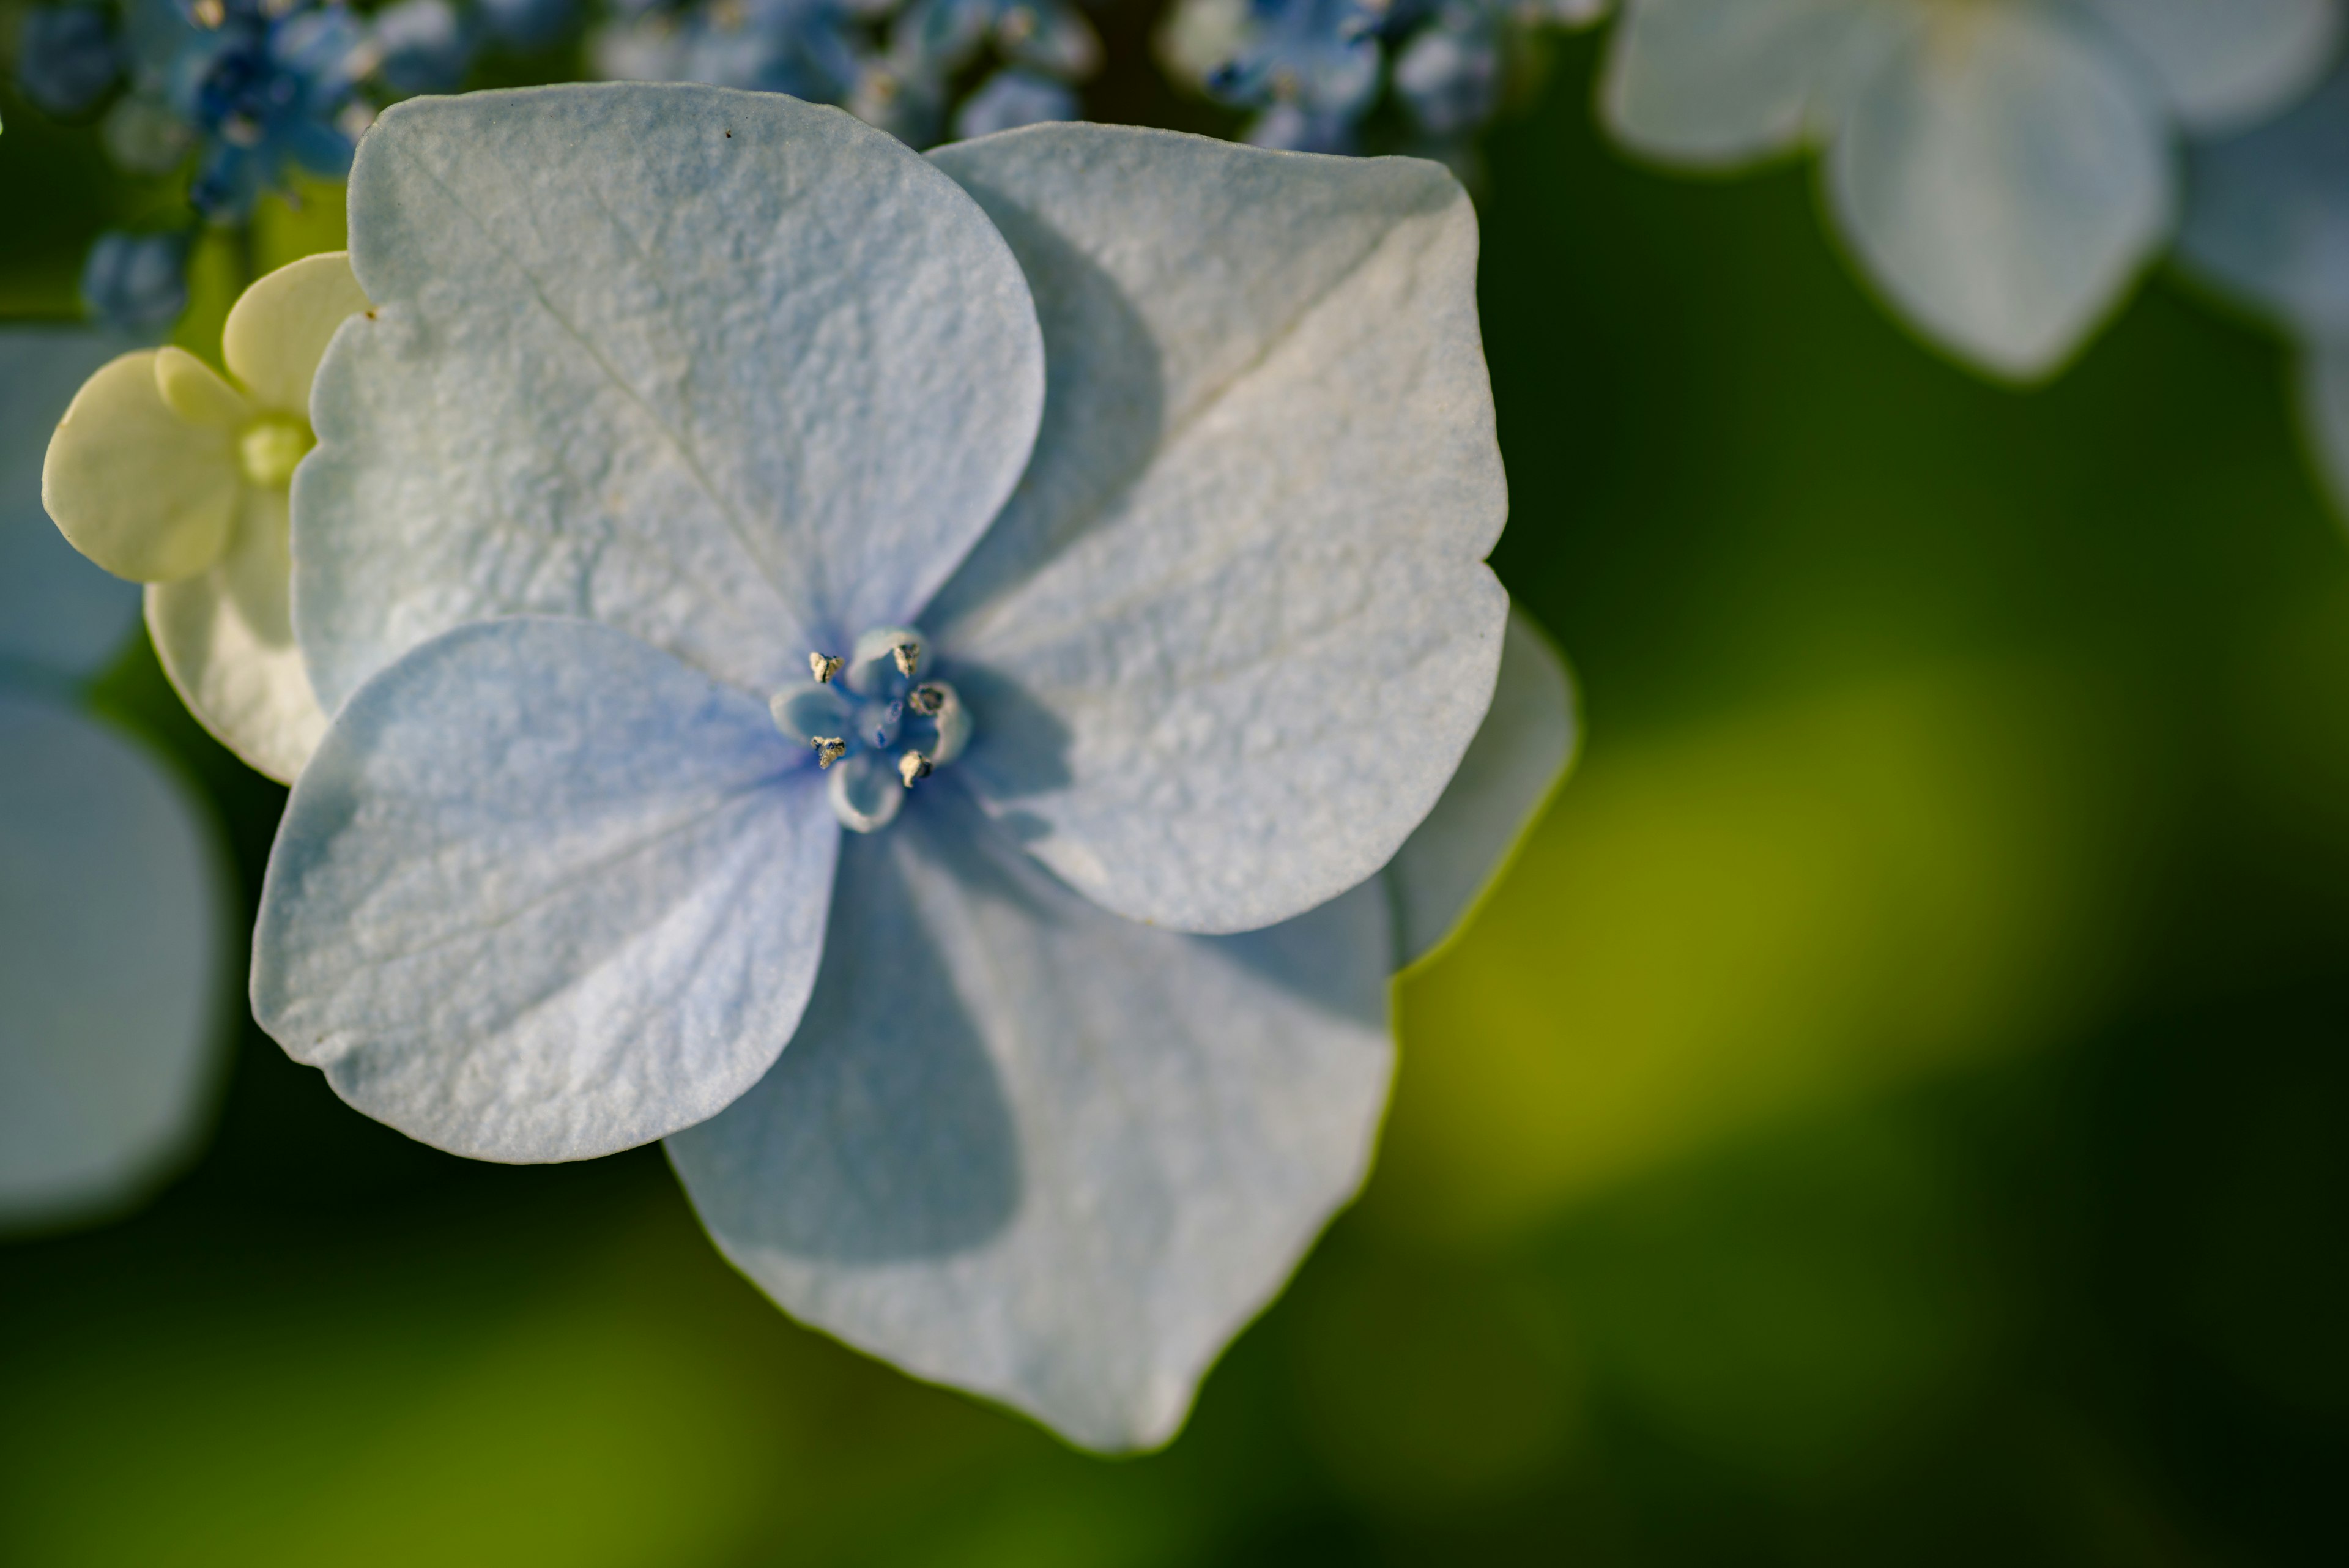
x,y
1011,98
112,912
528,24
421,45
994,699
893,69
1313,68
270,88
943,35
1449,73
2001,172
136,283
1310,66
2267,220
66,57
822,51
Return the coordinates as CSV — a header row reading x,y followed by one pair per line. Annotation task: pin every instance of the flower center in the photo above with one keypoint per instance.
x,y
878,721
269,447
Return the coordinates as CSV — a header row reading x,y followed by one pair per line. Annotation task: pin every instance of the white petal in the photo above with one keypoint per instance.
x,y
138,488
543,893
111,928
227,644
2267,212
1227,644
2325,413
2227,63
58,611
279,327
2002,180
739,375
1518,757
1031,1149
1722,82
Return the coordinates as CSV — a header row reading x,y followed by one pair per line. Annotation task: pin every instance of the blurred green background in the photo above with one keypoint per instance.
x,y
1892,1111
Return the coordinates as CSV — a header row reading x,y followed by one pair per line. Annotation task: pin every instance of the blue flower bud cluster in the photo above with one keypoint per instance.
x,y
925,71
242,95
1315,71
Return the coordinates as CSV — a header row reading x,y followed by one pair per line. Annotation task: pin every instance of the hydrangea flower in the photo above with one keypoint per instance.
x,y
110,901
136,285
2267,219
819,50
1315,67
421,45
528,24
67,58
893,68
1046,44
2001,169
1310,66
937,686
1011,98
269,87
165,473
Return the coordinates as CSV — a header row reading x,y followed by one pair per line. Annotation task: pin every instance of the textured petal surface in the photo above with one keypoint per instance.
x,y
280,327
2267,212
1227,643
1028,1148
736,374
145,493
544,893
1518,758
1722,82
2003,180
57,612
111,951
227,643
2229,62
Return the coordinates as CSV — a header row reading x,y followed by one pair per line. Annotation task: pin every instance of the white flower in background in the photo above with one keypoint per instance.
x,y
2267,218
2001,169
992,623
110,898
164,473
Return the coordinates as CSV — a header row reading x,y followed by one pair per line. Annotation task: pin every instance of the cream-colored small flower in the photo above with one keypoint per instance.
x,y
164,472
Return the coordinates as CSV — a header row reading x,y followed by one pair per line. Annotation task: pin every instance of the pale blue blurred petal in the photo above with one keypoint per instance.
x,y
1031,1149
1518,756
2227,63
543,893
57,612
2003,180
1227,643
2325,413
2267,212
111,936
1722,82
734,373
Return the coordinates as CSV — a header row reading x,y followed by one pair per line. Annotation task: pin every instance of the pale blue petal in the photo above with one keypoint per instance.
x,y
1228,640
2004,180
112,959
734,373
2227,62
1518,758
1715,83
2267,212
2325,413
1027,1149
57,612
543,893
